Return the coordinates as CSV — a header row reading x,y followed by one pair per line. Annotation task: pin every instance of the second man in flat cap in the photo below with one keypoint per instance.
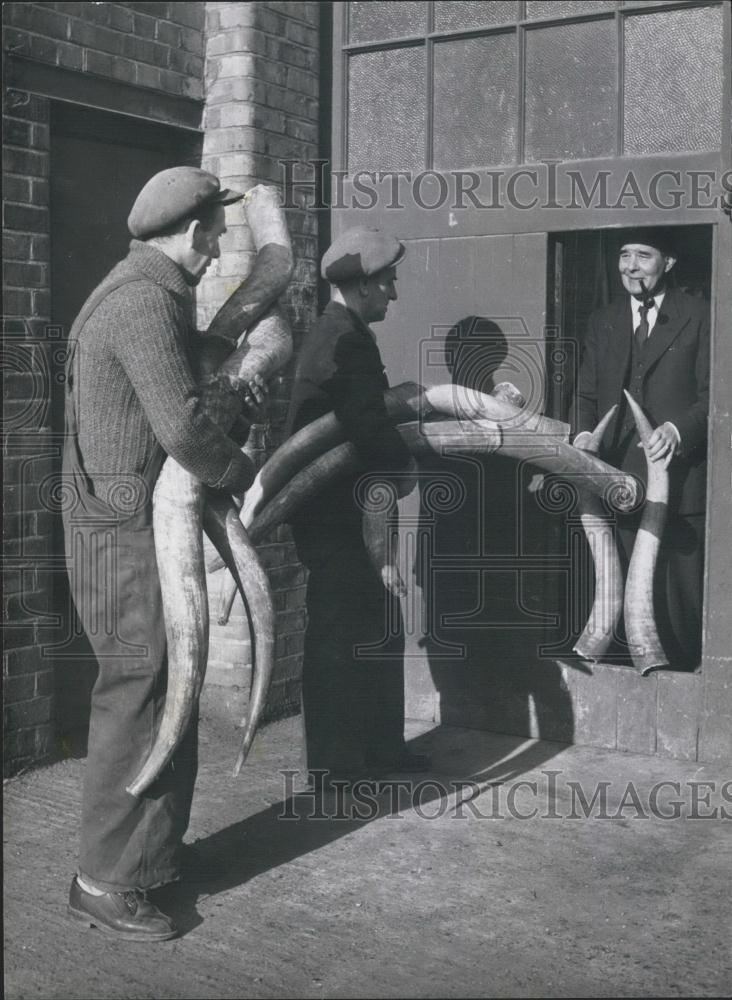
x,y
353,706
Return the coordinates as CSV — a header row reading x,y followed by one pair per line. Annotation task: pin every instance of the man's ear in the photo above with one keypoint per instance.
x,y
670,261
363,286
192,232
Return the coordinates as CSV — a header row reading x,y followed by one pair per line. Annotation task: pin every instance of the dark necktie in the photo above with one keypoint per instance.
x,y
641,332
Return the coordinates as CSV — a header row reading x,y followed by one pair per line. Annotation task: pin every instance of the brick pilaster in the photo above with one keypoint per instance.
x,y
261,107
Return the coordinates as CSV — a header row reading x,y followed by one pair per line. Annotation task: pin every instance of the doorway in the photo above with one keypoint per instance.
x,y
583,277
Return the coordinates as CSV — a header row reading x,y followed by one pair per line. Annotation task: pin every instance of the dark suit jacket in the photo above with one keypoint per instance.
x,y
672,383
340,369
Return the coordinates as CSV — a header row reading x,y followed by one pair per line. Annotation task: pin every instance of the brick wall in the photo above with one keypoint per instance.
x,y
27,445
156,45
152,45
261,74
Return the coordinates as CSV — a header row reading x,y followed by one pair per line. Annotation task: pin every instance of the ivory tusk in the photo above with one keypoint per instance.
x,y
270,273
178,501
222,525
607,606
638,610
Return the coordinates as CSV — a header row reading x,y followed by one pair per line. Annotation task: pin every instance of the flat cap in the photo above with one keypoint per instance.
x,y
359,253
172,195
661,238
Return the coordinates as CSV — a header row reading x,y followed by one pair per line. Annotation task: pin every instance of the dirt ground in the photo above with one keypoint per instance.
x,y
420,891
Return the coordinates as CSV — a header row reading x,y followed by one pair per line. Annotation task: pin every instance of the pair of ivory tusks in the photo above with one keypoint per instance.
x,y
636,603
181,507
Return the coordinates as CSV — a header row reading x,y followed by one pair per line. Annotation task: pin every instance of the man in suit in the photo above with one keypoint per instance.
x,y
353,705
654,342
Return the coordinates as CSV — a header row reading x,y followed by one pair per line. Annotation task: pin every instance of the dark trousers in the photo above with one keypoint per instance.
x,y
353,667
678,585
126,842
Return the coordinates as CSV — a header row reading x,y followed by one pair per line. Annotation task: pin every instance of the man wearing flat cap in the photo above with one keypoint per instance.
x,y
654,342
353,707
131,400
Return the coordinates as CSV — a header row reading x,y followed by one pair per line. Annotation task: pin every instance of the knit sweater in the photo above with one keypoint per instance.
x,y
133,383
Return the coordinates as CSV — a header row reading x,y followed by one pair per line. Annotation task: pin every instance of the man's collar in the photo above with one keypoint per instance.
x,y
635,304
157,266
355,318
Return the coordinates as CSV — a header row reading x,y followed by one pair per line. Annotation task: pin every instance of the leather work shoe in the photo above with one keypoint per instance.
x,y
128,915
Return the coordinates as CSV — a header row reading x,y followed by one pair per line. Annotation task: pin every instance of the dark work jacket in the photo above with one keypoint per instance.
x,y
670,380
340,369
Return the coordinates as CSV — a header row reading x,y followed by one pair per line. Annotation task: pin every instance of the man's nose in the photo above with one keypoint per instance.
x,y
393,294
216,251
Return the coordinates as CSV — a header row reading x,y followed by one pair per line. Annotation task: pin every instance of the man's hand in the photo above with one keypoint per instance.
x,y
663,444
254,395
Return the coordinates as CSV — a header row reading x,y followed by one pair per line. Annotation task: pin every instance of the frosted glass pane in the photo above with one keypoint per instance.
x,y
476,102
386,110
565,8
456,15
372,21
673,81
570,90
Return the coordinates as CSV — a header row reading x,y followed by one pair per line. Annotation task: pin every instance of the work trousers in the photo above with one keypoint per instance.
x,y
126,842
353,667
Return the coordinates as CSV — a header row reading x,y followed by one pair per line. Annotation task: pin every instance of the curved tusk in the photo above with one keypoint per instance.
x,y
222,525
271,271
462,403
640,622
178,502
599,432
607,606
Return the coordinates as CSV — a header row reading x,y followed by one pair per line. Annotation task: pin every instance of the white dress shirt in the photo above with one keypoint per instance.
x,y
651,315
